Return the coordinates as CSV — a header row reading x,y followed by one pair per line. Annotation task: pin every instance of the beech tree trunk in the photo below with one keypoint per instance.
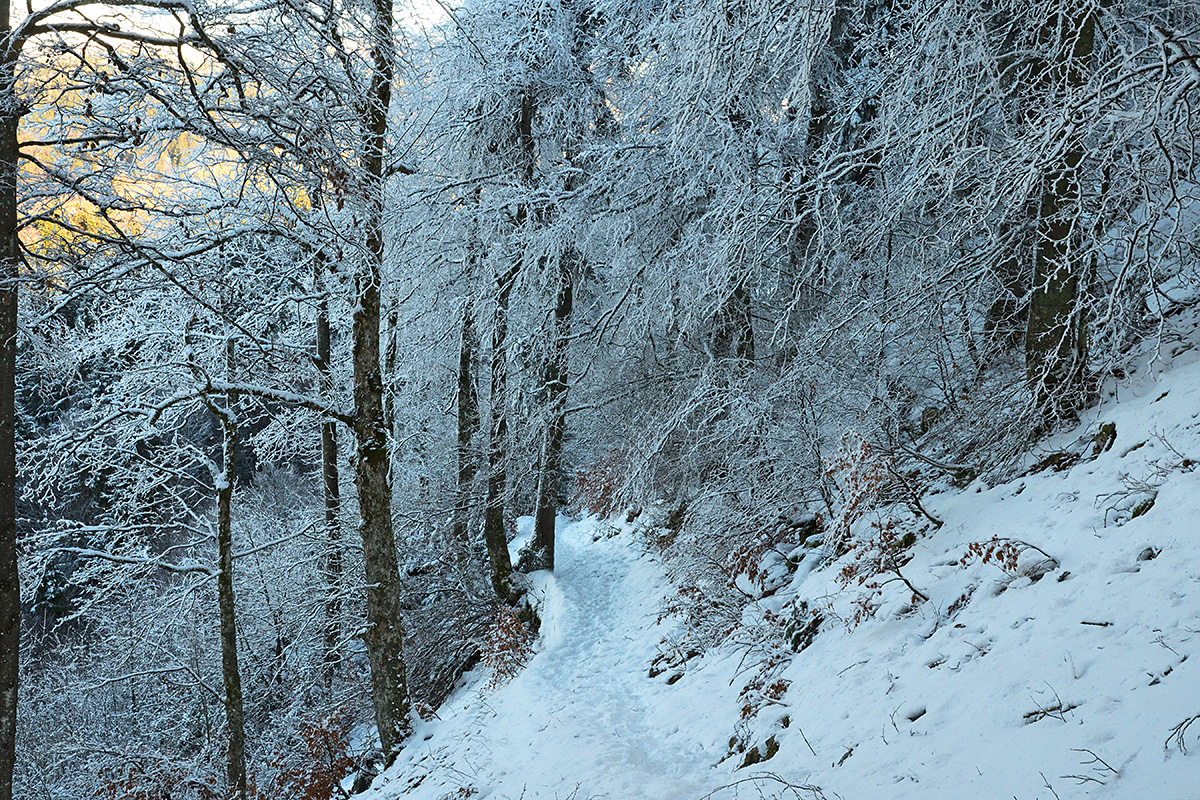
x,y
384,636
494,533
330,486
554,384
235,718
1056,336
732,334
467,402
733,331
10,260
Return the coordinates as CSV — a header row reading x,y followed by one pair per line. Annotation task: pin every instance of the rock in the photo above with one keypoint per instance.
x,y
752,758
1039,569
1056,462
1149,554
803,628
772,745
530,560
1105,438
366,776
1142,507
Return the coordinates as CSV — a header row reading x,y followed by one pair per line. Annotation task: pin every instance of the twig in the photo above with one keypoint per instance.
x,y
1179,732
805,738
1097,760
795,789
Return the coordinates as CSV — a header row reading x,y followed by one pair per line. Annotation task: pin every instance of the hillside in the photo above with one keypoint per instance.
x,y
1059,685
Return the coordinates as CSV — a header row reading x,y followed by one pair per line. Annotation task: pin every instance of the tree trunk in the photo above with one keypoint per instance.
x,y
494,533
554,384
389,369
732,334
1056,337
733,331
10,260
235,762
384,636
804,271
467,403
330,486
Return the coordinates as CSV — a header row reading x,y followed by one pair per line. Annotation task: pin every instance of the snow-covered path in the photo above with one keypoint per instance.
x,y
583,717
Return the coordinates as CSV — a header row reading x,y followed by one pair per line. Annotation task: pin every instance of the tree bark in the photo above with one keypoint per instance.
x,y
732,334
384,636
733,330
10,260
467,402
494,533
1056,336
330,484
554,384
235,762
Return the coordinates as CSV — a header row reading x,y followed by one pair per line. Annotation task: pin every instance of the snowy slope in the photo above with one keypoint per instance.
x,y
1067,686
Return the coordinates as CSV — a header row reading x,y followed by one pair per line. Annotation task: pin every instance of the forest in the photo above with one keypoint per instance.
x,y
320,319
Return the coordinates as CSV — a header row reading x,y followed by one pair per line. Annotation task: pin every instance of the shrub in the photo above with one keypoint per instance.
x,y
154,780
597,489
314,770
859,475
507,647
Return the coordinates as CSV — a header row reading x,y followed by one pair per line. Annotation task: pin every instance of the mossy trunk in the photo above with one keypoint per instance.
x,y
330,484
384,637
235,716
554,384
467,408
1056,336
495,535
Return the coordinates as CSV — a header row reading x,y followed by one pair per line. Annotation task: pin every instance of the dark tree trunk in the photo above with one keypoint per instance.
x,y
1056,337
554,384
10,260
494,532
733,331
384,636
330,486
389,369
732,334
235,762
467,402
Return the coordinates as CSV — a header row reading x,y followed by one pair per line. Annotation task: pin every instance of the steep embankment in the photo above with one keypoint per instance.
x,y
1005,684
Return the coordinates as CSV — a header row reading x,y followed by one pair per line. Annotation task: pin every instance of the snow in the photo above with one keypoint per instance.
x,y
583,712
1067,686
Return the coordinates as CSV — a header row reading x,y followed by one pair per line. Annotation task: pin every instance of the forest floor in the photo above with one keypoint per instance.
x,y
1050,681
